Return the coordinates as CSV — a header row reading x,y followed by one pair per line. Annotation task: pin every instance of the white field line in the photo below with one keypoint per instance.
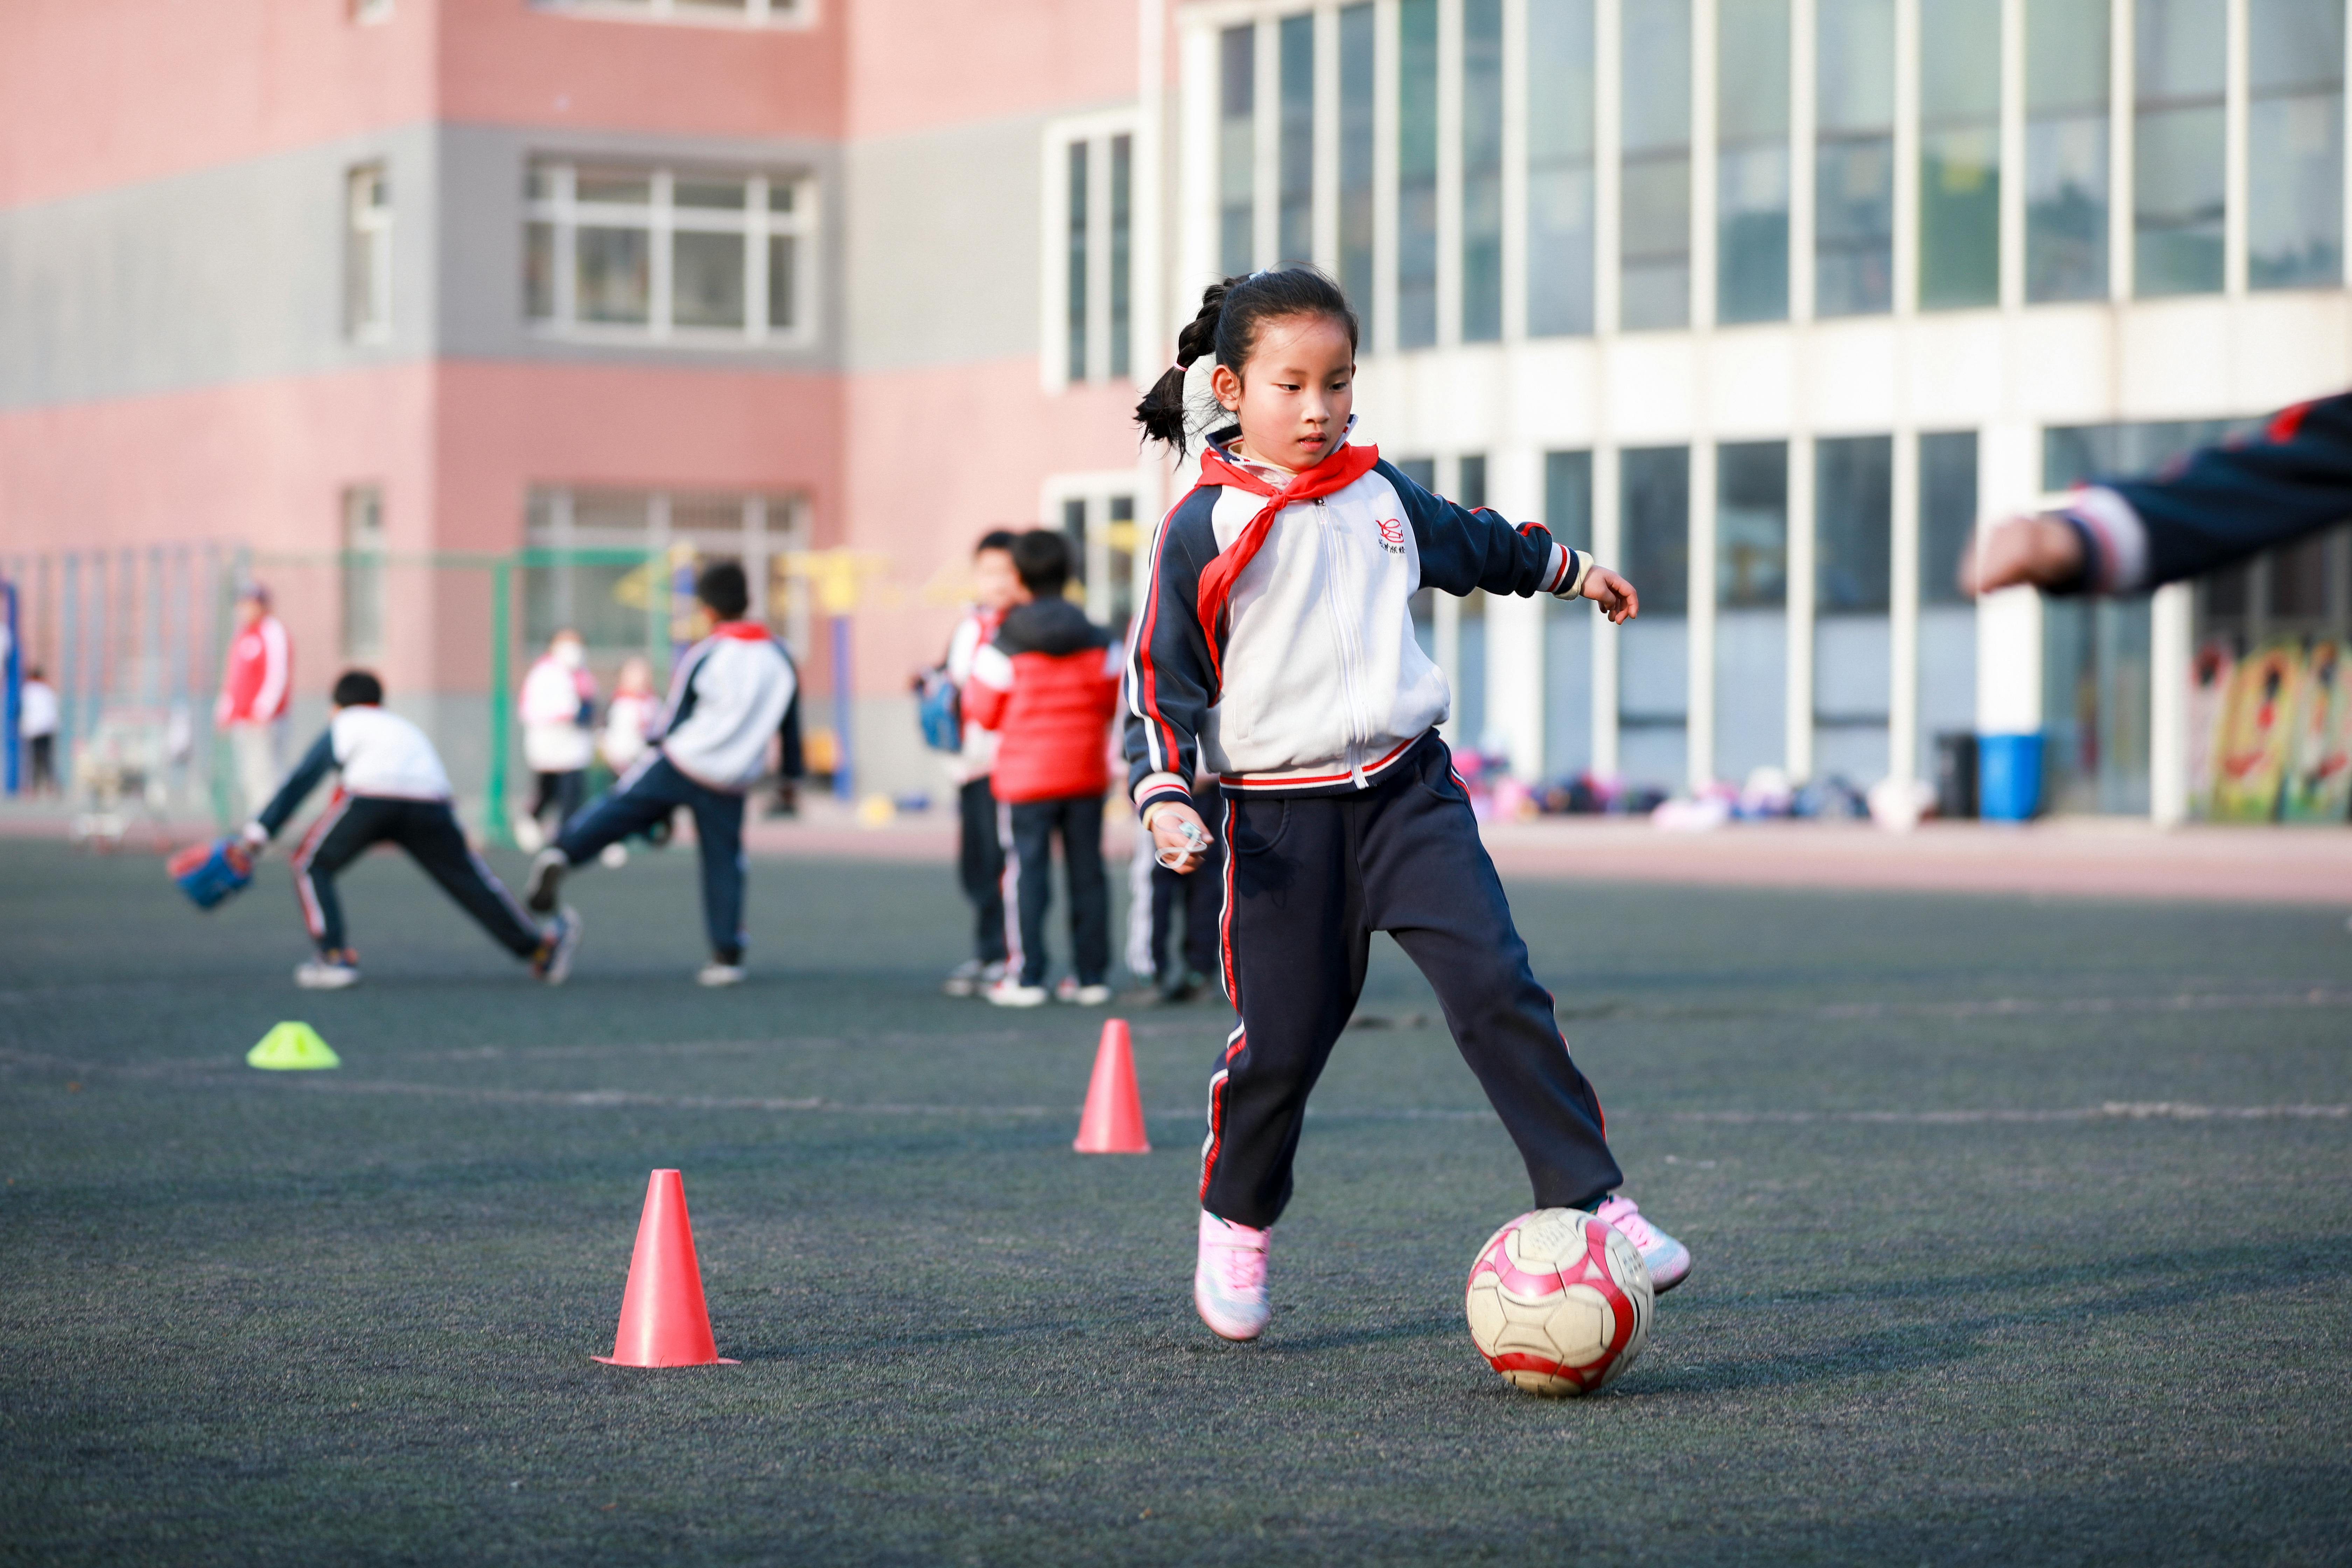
x,y
215,1074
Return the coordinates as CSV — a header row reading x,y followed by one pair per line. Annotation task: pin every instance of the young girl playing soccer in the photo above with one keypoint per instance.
x,y
1276,644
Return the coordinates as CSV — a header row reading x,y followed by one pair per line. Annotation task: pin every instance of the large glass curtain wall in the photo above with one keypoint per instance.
x,y
1444,136
1947,622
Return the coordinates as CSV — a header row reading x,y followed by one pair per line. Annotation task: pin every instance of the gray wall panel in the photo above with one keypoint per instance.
x,y
943,245
226,274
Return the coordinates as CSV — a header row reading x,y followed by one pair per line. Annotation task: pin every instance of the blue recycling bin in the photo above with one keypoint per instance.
x,y
2009,778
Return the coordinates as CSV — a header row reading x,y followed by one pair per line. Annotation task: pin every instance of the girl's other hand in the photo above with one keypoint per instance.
x,y
1612,593
1179,850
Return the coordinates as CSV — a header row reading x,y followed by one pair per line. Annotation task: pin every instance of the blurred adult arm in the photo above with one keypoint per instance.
x,y
2220,505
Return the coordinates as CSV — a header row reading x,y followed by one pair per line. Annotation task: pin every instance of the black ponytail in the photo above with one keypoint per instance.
x,y
1232,313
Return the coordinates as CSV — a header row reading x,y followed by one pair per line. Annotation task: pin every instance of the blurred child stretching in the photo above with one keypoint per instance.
x,y
1048,685
392,789
980,853
1277,646
734,690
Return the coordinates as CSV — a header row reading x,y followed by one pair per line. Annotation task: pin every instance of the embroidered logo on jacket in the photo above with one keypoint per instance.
x,y
1392,535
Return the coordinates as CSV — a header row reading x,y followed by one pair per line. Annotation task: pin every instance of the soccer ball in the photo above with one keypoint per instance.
x,y
1559,1302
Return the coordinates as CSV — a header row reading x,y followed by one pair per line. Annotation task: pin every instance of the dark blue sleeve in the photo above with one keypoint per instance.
x,y
2226,502
1462,550
1172,670
315,765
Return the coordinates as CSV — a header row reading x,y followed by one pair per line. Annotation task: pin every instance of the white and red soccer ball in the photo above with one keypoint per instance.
x,y
1560,1302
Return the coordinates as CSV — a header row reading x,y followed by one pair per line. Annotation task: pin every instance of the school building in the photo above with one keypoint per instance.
x,y
458,314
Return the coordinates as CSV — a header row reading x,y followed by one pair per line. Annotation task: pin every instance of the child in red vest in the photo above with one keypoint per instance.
x,y
1276,649
1047,686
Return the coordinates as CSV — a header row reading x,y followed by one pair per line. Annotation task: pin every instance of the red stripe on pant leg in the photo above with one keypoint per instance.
x,y
1216,1138
314,919
1225,917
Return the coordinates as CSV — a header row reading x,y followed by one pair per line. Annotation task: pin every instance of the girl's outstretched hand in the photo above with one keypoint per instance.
x,y
1180,839
1612,593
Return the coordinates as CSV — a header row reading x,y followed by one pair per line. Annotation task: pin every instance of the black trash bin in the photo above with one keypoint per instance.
x,y
1955,773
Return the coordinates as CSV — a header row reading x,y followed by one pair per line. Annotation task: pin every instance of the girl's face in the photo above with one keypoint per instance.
x,y
1296,391
995,583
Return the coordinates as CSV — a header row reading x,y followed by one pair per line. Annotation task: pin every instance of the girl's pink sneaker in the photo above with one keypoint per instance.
x,y
1229,1284
1669,1259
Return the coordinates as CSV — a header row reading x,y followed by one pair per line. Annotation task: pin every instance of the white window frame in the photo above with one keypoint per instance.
x,y
367,242
1098,488
793,13
662,219
1097,131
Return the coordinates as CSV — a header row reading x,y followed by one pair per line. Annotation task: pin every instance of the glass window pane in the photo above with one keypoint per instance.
x,y
1568,498
1752,594
1481,171
1568,626
1854,171
2178,48
1852,638
538,183
1358,143
783,290
1752,168
1654,652
614,281
706,279
781,194
1559,167
1947,622
1122,241
539,270
1296,238
2066,52
1959,154
722,195
1074,306
1236,147
1853,510
1417,173
631,186
2294,141
1655,220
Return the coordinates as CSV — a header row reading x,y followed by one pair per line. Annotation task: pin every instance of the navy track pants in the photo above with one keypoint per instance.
x,y
650,793
1309,880
428,830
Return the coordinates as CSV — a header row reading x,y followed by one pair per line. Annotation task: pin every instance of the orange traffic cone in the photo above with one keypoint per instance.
x,y
1113,1122
663,1319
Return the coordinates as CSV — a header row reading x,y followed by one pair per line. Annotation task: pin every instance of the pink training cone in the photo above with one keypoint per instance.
x,y
664,1321
1113,1122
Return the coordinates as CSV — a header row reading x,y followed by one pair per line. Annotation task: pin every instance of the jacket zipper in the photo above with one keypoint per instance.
x,y
1342,642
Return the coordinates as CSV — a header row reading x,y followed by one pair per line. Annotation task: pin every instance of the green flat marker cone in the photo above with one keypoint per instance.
x,y
292,1047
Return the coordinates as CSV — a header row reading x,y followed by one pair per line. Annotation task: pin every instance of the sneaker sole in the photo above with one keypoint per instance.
x,y
1210,1323
308,983
1017,1001
559,962
1658,1289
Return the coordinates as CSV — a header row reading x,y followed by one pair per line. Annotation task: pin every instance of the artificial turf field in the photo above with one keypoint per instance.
x,y
1946,1308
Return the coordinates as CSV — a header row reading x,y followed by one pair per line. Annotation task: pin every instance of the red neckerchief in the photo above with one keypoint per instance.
x,y
1335,472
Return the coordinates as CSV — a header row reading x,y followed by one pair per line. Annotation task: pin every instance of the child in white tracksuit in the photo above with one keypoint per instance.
x,y
734,691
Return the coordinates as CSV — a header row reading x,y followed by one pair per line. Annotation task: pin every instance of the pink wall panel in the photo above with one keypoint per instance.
x,y
263,463
936,457
506,63
501,427
96,93
912,70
